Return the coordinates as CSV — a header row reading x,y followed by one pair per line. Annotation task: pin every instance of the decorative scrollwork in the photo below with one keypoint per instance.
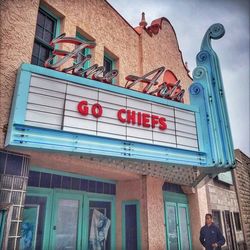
x,y
198,72
195,89
216,31
202,56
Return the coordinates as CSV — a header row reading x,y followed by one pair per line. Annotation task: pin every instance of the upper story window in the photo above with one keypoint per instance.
x,y
85,51
109,63
45,31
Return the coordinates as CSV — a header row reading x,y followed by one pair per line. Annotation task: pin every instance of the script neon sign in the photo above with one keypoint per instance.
x,y
167,90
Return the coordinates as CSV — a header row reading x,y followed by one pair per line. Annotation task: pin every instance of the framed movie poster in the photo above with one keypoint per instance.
x,y
29,227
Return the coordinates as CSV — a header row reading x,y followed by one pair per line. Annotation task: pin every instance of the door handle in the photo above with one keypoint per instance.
x,y
54,227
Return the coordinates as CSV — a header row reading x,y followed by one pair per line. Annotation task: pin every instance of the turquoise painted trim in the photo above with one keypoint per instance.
x,y
22,92
138,222
58,23
175,197
177,201
87,50
171,204
84,198
63,173
105,198
206,142
20,99
208,75
57,30
48,193
3,217
44,139
67,196
61,141
113,64
188,223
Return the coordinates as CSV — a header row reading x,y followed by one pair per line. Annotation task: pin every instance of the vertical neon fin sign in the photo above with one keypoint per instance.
x,y
207,92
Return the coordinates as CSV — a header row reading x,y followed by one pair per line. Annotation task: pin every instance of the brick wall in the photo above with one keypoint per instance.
x,y
242,179
222,197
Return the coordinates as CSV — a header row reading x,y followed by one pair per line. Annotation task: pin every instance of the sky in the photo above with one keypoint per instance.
x,y
191,19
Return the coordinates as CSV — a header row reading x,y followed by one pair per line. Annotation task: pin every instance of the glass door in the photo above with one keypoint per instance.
x,y
184,227
66,221
99,225
177,226
172,226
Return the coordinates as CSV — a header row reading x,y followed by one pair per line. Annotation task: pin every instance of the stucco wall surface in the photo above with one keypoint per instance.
x,y
17,30
155,214
162,49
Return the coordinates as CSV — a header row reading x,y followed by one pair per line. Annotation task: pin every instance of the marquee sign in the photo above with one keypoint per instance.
x,y
57,111
65,106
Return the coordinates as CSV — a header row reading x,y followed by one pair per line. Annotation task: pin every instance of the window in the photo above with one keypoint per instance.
x,y
85,51
237,221
45,32
217,218
109,63
131,225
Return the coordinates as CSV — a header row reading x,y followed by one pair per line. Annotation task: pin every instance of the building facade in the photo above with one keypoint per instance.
x,y
242,182
228,202
223,205
73,176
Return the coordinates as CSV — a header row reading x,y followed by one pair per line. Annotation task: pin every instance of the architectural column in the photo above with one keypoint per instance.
x,y
155,213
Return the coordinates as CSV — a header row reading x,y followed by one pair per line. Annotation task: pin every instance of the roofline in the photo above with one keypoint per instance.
x,y
164,18
122,17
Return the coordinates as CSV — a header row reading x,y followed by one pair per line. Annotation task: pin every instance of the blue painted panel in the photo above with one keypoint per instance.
x,y
40,138
207,91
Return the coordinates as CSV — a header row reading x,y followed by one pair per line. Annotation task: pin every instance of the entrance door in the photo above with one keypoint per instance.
x,y
172,226
99,225
178,236
66,221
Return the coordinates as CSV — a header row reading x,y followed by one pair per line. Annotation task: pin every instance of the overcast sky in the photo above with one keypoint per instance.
x,y
191,19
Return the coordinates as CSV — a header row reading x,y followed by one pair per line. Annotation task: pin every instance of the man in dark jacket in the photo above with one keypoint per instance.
x,y
210,235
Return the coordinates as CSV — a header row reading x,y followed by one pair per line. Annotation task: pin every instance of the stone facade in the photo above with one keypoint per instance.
x,y
242,179
221,198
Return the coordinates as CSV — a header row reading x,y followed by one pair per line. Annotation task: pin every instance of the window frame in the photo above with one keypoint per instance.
x,y
56,31
237,222
220,218
87,51
112,60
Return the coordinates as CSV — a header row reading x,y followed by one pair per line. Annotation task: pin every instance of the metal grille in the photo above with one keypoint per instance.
x,y
14,170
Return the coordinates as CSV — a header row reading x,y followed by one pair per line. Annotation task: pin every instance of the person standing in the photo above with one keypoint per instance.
x,y
210,235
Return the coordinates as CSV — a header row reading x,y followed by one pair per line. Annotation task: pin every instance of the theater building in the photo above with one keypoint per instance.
x,y
106,157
